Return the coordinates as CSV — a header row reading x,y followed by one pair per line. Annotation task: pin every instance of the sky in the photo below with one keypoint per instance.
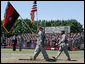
x,y
49,10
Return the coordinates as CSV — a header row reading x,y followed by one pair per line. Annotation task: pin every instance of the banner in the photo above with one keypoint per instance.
x,y
11,16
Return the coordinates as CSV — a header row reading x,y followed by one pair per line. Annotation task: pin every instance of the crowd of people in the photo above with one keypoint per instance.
x,y
74,40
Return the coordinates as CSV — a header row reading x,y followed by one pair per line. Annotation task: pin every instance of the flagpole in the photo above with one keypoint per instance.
x,y
44,26
37,18
26,24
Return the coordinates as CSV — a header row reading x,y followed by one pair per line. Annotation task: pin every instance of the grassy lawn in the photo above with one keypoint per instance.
x,y
8,50
8,56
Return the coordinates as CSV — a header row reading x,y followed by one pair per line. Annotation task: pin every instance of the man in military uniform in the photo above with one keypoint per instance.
x,y
40,45
63,46
20,39
14,40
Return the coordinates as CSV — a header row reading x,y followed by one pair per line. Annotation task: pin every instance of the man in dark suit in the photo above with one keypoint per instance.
x,y
14,40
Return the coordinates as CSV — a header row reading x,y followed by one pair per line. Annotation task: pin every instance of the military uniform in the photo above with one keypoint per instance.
x,y
40,46
63,47
20,39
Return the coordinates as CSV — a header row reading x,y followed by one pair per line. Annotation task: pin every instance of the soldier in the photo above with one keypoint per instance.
x,y
63,46
20,39
3,41
14,40
40,45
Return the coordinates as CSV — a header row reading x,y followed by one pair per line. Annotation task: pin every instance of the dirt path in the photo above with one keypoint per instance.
x,y
24,58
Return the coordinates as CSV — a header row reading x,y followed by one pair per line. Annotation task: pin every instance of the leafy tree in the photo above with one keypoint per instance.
x,y
21,27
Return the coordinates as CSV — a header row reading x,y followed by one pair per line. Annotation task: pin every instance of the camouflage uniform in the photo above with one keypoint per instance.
x,y
40,46
63,47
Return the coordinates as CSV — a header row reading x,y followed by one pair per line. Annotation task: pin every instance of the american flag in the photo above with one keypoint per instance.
x,y
33,9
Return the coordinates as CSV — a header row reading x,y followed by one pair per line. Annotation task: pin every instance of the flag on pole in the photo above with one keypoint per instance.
x,y
10,17
33,9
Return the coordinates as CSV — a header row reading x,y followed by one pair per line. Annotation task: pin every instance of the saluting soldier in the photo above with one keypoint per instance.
x,y
40,45
63,46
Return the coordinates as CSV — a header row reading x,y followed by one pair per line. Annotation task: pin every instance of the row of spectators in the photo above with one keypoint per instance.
x,y
74,39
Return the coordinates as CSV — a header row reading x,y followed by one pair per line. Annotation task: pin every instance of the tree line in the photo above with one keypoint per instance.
x,y
20,27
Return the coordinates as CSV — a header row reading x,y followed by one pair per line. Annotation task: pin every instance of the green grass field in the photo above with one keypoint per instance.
x,y
8,50
26,53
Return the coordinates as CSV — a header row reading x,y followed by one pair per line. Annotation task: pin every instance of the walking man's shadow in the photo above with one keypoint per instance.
x,y
65,60
73,60
24,59
50,60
